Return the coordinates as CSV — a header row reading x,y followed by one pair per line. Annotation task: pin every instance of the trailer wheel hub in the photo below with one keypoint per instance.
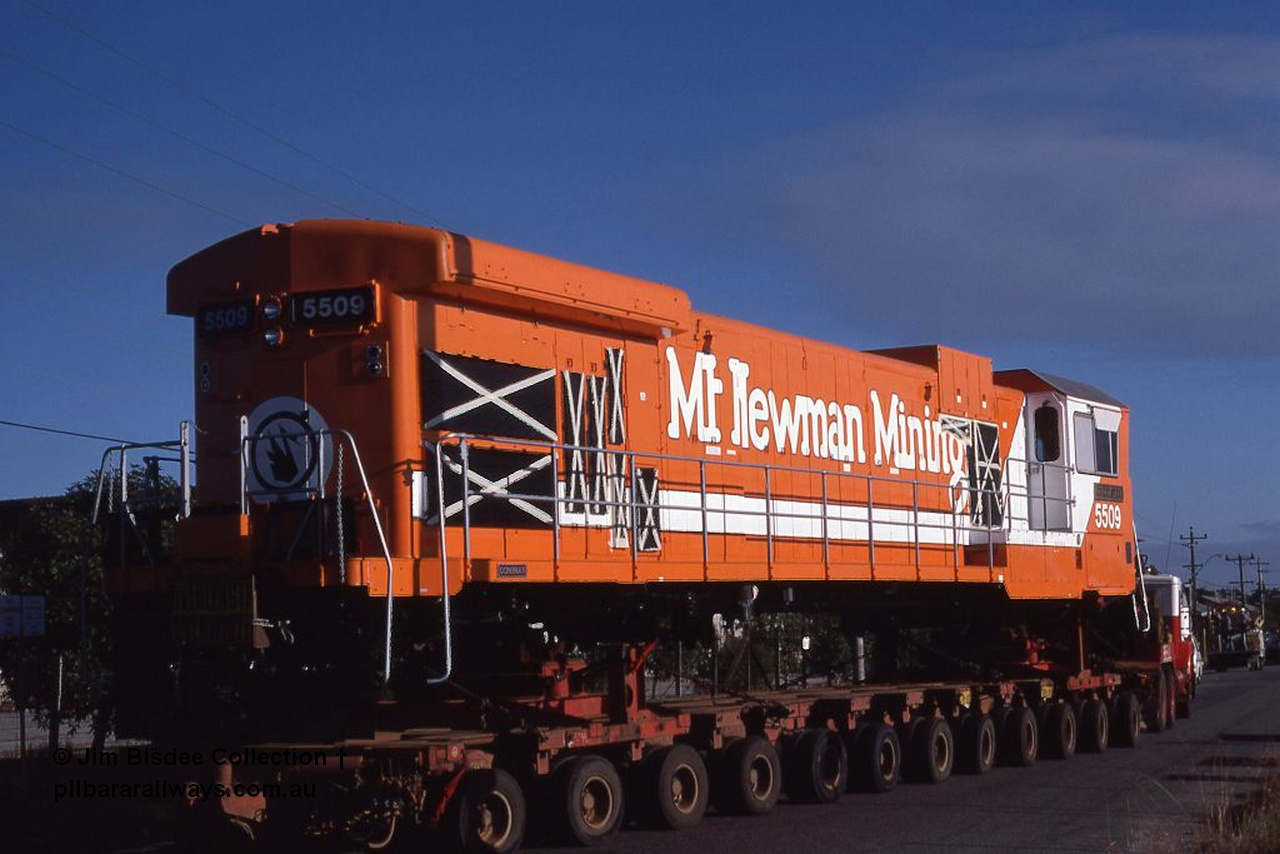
x,y
761,777
684,789
596,802
494,819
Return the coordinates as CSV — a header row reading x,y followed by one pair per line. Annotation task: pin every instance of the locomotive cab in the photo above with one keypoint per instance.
x,y
1076,470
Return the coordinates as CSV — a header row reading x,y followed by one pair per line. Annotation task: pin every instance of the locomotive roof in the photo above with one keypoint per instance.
x,y
410,258
1027,379
335,253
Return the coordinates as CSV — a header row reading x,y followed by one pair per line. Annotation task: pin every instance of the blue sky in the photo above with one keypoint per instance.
x,y
1090,189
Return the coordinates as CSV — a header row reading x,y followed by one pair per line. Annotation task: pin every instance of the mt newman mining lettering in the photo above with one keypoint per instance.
x,y
810,427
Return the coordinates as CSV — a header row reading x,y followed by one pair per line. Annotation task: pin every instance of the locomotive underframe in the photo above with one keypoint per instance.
x,y
302,648
526,702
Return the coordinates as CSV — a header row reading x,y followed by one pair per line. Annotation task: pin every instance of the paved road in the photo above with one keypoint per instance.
x,y
1160,797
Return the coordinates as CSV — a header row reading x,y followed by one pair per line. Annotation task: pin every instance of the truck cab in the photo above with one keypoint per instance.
x,y
1168,600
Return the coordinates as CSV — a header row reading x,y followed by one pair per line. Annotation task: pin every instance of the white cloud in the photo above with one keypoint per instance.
x,y
1119,191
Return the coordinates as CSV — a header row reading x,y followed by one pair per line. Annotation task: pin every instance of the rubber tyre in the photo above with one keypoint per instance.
x,y
748,777
1020,740
488,813
675,788
1155,710
371,834
1126,720
976,744
817,767
1095,727
932,753
1061,732
204,832
875,758
589,800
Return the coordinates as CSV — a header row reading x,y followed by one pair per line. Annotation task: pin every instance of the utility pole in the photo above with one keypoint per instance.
x,y
1258,564
1189,541
1241,560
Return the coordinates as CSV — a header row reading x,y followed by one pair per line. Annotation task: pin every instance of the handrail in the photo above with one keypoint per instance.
x,y
627,500
1142,585
1006,491
182,445
245,455
653,455
978,497
444,570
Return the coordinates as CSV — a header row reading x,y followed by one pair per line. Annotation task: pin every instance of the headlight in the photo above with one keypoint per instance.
x,y
274,336
271,309
373,360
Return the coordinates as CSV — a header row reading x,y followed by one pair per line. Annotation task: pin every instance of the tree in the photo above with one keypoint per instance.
x,y
50,546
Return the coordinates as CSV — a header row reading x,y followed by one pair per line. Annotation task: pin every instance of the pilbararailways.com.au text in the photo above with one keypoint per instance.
x,y
85,789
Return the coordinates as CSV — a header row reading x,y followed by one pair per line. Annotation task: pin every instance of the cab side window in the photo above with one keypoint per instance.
x,y
1048,435
1097,450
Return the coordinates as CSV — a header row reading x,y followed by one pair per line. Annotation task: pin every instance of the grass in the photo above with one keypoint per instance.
x,y
1253,828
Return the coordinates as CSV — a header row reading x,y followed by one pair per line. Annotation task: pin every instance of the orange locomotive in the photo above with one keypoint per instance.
x,y
661,419
408,437
611,435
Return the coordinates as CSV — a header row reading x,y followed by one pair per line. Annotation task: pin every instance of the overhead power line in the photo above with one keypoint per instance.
x,y
208,149
230,113
73,433
123,174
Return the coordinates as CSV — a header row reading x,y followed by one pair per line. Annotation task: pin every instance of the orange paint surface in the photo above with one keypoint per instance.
x,y
855,488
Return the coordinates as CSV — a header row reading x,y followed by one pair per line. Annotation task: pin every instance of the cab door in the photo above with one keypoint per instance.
x,y
1048,473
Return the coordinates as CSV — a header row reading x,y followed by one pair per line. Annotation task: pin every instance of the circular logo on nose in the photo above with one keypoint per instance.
x,y
289,451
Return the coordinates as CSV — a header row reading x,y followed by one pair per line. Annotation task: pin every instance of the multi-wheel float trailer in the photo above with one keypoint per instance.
x,y
575,765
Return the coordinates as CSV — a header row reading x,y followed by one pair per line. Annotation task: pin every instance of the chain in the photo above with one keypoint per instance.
x,y
342,538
